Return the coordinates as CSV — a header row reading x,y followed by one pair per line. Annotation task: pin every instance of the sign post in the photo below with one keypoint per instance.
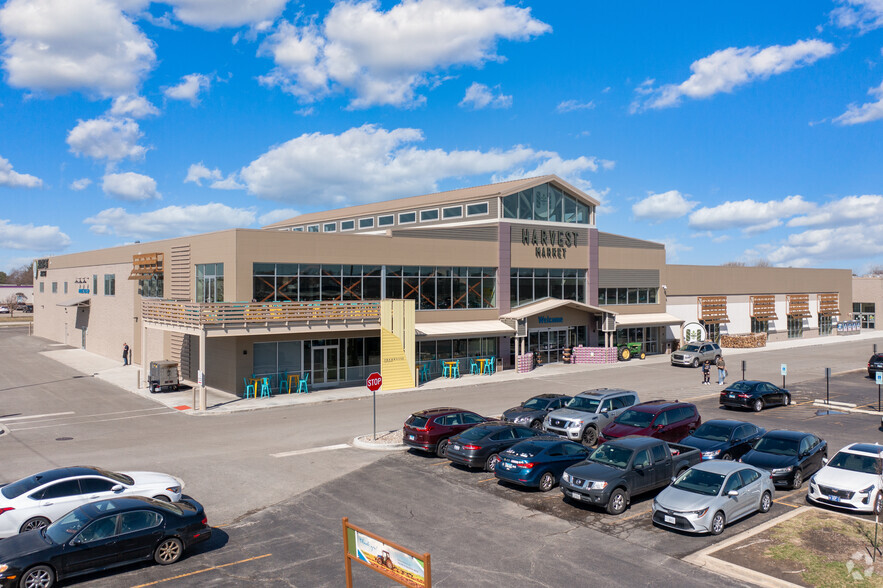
x,y
828,386
374,382
784,373
879,384
743,369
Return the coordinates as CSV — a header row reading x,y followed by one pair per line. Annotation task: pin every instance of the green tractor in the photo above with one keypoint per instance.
x,y
626,351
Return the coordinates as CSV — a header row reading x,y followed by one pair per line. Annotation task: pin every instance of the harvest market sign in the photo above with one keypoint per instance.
x,y
549,243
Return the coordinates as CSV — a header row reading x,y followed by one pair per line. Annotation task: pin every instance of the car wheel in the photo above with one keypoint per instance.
x,y
786,400
536,425
717,523
618,502
727,457
758,405
38,577
547,482
695,362
162,497
491,464
766,502
590,436
797,482
34,523
442,449
168,551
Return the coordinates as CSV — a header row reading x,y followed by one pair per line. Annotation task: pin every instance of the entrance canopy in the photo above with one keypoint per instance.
x,y
463,328
78,301
549,304
657,319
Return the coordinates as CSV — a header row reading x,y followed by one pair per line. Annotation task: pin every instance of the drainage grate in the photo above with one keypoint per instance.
x,y
64,438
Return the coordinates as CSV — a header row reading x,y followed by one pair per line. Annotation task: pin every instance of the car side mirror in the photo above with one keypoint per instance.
x,y
639,466
117,488
659,426
78,540
733,493
825,460
550,408
673,478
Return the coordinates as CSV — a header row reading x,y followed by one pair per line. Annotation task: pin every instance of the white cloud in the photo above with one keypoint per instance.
x,y
663,206
80,184
171,221
130,186
479,96
275,216
106,138
133,106
724,70
13,179
369,164
870,111
845,211
214,14
674,249
817,247
198,172
570,170
56,46
865,15
38,238
189,88
229,183
572,105
384,57
749,215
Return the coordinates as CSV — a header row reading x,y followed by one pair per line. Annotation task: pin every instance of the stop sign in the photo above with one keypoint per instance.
x,y
374,381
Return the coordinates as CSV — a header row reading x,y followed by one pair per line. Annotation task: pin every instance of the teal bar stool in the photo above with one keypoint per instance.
x,y
249,388
490,365
424,372
302,384
475,367
283,383
456,370
446,369
265,388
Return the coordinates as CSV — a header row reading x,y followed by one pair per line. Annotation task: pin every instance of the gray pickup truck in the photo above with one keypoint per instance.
x,y
622,468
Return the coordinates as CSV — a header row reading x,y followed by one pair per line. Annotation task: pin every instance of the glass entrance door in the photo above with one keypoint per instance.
x,y
548,344
326,365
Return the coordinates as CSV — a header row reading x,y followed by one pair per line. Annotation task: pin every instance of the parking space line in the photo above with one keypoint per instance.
x,y
310,450
441,463
35,416
205,570
614,520
487,480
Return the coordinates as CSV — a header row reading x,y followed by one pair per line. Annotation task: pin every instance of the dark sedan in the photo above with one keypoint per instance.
x,y
539,463
875,364
531,412
790,456
102,535
754,395
479,447
722,439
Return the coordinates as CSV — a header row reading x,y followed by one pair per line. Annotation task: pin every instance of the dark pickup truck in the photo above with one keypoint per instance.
x,y
622,468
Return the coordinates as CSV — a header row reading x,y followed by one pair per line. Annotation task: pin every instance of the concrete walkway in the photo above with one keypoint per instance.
x,y
220,402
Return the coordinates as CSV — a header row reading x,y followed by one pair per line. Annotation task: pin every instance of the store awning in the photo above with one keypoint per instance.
x,y
713,309
798,306
656,319
146,265
763,307
78,301
463,328
829,304
548,304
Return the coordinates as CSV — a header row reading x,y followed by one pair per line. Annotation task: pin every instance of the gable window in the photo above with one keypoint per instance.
x,y
329,227
428,215
347,225
366,223
386,220
476,209
452,212
313,229
298,229
406,218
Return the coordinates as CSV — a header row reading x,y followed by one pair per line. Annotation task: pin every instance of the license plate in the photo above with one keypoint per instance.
x,y
507,466
834,498
669,520
456,447
575,496
732,395
411,437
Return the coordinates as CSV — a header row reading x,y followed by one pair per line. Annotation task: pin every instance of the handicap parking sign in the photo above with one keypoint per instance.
x,y
879,378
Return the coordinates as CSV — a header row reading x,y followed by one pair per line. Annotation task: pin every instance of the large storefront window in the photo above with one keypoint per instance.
x,y
435,352
648,336
760,326
795,327
443,288
866,313
529,284
328,361
628,296
546,203
713,330
152,287
825,325
210,282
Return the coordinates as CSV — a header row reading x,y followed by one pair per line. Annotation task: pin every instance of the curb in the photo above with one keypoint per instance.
x,y
362,442
705,559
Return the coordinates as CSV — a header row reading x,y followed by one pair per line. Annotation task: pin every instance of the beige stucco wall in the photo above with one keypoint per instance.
x,y
640,259
869,290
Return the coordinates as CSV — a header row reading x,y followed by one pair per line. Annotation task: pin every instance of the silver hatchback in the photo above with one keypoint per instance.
x,y
713,494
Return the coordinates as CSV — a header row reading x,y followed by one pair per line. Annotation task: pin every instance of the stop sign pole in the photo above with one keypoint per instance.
x,y
374,382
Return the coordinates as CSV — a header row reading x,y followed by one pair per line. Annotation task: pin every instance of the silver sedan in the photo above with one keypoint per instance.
x,y
713,494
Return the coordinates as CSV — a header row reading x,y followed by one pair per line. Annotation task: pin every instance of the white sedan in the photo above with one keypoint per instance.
x,y
36,501
851,480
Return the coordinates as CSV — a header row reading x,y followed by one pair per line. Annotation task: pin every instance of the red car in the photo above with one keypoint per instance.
x,y
661,419
429,430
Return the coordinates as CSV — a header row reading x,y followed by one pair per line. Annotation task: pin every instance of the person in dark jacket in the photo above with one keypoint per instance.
x,y
706,372
125,354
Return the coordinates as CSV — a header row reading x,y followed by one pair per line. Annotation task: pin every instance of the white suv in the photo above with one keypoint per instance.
x,y
851,479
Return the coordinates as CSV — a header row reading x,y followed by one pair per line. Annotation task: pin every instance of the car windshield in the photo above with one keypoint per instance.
x,y
116,476
21,486
67,526
474,434
536,403
741,387
713,432
777,446
612,455
691,348
635,418
700,482
583,403
525,450
865,464
418,422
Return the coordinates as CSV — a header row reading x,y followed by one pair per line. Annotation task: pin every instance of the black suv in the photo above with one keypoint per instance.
x,y
875,364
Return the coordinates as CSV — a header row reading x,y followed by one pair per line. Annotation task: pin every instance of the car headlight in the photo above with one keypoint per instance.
x,y
174,489
566,477
711,454
780,471
698,513
522,419
3,568
596,485
574,424
867,490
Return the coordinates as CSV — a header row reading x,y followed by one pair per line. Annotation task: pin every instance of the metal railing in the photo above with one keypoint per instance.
x,y
237,314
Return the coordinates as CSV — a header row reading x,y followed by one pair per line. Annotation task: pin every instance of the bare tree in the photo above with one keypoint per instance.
x,y
733,264
9,302
23,276
875,271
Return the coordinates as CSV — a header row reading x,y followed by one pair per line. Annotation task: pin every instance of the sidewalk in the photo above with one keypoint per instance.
x,y
220,402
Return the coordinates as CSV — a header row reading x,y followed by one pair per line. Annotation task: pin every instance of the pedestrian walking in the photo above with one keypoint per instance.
x,y
706,373
721,370
125,354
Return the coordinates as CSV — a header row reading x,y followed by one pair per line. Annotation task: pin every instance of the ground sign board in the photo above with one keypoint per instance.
x,y
398,563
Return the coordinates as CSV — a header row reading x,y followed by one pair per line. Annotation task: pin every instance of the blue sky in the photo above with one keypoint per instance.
x,y
743,131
